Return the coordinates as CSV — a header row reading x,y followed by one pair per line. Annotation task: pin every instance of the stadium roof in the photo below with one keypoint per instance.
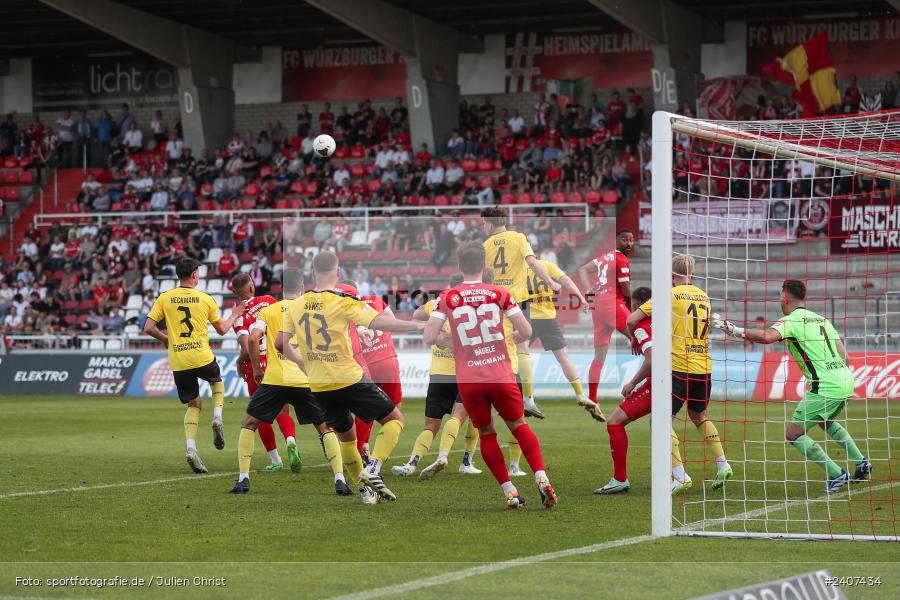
x,y
30,28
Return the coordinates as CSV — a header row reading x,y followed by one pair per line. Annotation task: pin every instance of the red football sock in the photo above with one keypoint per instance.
x,y
363,432
493,457
267,435
594,379
618,446
531,447
286,425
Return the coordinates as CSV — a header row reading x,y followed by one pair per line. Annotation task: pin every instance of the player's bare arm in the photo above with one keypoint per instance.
x,y
584,274
244,354
395,325
222,327
760,336
541,272
633,319
642,374
283,345
256,334
625,286
432,330
521,327
152,329
420,314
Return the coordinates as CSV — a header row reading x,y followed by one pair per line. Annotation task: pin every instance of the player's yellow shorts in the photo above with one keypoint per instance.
x,y
815,409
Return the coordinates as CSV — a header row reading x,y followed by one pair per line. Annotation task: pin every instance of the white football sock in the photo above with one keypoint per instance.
x,y
243,476
274,456
217,412
192,445
508,487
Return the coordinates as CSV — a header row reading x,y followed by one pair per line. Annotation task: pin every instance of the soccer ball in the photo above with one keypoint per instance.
x,y
324,145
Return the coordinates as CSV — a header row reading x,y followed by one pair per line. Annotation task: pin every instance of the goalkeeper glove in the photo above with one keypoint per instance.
x,y
727,326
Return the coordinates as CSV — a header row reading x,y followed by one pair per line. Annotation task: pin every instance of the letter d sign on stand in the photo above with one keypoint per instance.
x,y
416,92
188,103
665,95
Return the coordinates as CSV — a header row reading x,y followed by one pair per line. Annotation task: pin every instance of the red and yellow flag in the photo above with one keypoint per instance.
x,y
810,70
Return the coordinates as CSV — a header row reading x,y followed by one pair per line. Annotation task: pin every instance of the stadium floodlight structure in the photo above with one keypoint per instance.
x,y
757,202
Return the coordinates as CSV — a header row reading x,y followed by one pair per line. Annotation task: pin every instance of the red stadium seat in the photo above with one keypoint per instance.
x,y
373,185
371,168
485,164
11,178
207,205
593,197
265,171
251,189
26,177
540,198
521,144
283,204
575,197
470,183
24,161
341,152
358,151
10,162
12,194
610,197
508,198
469,165
248,203
456,199
524,198
441,200
558,197
486,182
310,188
357,170
297,187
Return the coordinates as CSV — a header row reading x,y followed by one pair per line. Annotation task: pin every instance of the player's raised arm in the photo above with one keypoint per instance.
x,y
221,326
542,272
760,336
395,325
634,318
568,285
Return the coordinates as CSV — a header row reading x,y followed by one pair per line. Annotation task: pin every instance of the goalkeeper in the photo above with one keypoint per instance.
x,y
817,348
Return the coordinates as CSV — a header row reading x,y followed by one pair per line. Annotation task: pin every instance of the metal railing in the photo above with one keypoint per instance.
x,y
363,213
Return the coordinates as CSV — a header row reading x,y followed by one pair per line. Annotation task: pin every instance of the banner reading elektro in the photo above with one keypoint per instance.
x,y
101,82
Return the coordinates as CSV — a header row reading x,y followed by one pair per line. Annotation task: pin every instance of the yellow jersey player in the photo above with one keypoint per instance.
x,y
510,255
691,363
544,327
282,382
186,313
320,319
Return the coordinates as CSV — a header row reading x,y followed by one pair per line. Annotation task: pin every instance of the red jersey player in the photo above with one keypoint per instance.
x,y
243,287
636,404
475,311
612,289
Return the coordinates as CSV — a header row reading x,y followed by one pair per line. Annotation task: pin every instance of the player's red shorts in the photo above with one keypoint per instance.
x,y
386,375
252,386
603,323
478,398
637,404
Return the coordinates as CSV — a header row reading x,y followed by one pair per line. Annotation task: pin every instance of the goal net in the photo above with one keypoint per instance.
x,y
756,203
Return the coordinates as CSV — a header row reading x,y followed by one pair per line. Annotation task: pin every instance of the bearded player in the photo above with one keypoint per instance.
x,y
475,311
612,296
243,288
636,404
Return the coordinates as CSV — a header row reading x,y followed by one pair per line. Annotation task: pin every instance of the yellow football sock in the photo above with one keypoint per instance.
x,y
246,445
576,385
525,374
448,434
218,393
332,448
711,437
387,439
191,418
471,438
676,453
351,459
515,450
423,443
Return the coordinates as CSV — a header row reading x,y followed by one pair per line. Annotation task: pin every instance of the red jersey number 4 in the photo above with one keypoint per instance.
x,y
475,312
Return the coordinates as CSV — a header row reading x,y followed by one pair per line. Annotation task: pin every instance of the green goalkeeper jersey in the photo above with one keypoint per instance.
x,y
812,341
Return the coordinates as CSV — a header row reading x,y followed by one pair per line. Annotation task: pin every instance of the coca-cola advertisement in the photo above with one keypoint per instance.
x,y
877,376
864,224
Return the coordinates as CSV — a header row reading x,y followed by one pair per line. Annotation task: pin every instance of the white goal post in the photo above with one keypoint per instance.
x,y
775,492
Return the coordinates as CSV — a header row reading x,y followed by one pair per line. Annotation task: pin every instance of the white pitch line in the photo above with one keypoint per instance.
x,y
123,484
446,578
765,511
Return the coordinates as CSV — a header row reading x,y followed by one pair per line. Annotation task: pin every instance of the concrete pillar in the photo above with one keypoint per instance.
x,y
674,82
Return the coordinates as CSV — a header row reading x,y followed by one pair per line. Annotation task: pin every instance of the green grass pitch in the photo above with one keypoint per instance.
x,y
117,499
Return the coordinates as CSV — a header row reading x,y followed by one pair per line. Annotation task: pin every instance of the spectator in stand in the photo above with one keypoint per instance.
x,y
400,155
405,234
242,234
228,263
159,199
363,287
20,150
517,124
236,145
341,174
455,145
359,271
174,150
306,146
235,185
532,155
66,129
486,112
596,111
114,324
304,121
344,120
453,177
29,249
9,132
158,128
326,119
444,246
102,202
322,232
124,121
434,178
541,113
185,197
104,127
134,138
398,116
12,322
386,230
379,287
615,108
83,134
423,155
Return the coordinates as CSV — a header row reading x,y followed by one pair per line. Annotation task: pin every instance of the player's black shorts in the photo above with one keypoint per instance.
x,y
363,399
692,388
548,331
441,395
187,384
269,399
